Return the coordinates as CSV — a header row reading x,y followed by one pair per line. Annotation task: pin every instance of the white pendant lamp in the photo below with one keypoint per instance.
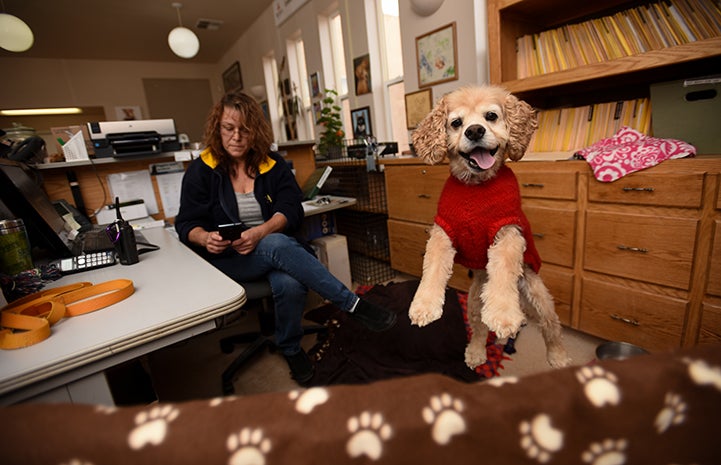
x,y
182,41
425,7
15,35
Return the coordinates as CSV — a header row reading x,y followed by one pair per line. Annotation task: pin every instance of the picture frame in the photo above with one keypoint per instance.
x,y
361,121
362,73
437,56
418,105
232,78
315,85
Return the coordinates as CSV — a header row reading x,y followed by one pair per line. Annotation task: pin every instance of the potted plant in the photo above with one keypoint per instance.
x,y
331,140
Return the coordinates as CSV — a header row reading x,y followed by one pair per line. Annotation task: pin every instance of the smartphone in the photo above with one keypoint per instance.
x,y
231,231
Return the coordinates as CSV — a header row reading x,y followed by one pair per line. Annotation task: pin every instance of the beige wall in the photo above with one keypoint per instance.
x,y
27,82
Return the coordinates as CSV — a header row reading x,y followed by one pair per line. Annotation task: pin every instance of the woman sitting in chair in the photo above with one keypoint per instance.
x,y
237,179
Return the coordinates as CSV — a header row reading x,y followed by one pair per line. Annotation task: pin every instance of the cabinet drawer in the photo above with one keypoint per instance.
x,y
646,248
714,275
413,191
554,231
618,313
407,247
560,283
547,185
710,325
673,190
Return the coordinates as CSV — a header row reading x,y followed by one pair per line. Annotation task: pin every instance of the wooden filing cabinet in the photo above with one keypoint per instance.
x,y
635,260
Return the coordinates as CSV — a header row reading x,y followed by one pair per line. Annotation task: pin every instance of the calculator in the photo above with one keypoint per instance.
x,y
88,261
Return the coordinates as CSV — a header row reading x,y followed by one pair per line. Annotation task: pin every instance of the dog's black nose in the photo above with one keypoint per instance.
x,y
475,132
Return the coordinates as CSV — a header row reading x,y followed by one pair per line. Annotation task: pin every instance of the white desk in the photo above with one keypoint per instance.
x,y
326,203
177,295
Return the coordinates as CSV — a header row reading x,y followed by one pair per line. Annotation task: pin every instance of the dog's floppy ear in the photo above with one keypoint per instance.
x,y
522,122
430,141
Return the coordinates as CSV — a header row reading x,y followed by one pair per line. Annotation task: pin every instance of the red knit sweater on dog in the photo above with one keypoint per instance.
x,y
471,215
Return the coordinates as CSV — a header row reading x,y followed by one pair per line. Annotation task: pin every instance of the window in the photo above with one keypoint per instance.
x,y
390,45
334,66
300,104
270,74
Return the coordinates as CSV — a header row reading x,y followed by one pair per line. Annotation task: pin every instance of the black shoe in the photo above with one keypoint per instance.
x,y
374,318
301,368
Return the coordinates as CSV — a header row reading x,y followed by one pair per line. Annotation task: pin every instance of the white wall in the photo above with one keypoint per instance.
x,y
27,82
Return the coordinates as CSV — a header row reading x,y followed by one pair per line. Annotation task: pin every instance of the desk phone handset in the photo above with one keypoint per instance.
x,y
123,236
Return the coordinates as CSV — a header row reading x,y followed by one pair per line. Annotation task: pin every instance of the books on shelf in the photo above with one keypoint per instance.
x,y
566,130
630,32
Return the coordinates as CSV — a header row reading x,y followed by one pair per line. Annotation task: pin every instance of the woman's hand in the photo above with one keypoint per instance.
x,y
248,240
214,243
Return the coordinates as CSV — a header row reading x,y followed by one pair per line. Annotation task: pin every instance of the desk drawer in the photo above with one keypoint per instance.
x,y
710,325
618,313
672,190
547,185
554,233
560,284
408,246
413,191
714,275
647,248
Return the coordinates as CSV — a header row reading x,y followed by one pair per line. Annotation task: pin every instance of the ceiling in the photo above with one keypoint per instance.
x,y
129,29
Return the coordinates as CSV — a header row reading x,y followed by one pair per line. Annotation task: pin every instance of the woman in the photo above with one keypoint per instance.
x,y
238,179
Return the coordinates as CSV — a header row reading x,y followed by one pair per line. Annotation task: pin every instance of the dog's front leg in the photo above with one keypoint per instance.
x,y
427,305
501,299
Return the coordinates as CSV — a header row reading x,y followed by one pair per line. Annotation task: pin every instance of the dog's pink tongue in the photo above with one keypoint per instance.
x,y
483,158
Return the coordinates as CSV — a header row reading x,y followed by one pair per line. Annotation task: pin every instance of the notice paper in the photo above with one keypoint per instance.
x,y
133,185
169,177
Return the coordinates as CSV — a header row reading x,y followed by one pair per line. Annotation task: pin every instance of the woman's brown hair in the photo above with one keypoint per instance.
x,y
252,119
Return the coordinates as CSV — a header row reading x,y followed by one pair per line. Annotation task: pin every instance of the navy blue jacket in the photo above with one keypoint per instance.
x,y
207,198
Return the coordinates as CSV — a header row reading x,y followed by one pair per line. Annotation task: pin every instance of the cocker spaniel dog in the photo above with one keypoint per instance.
x,y
479,223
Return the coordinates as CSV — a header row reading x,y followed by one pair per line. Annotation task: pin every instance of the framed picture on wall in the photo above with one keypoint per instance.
x,y
315,85
437,56
361,120
231,78
362,72
418,105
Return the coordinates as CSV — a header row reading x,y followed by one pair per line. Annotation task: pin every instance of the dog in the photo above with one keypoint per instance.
x,y
479,222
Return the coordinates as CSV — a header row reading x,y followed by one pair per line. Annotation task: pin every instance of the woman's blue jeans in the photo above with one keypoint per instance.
x,y
291,271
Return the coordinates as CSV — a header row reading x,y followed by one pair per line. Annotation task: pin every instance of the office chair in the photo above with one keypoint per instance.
x,y
259,297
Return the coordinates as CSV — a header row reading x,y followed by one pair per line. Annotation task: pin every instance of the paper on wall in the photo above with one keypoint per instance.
x,y
133,185
169,177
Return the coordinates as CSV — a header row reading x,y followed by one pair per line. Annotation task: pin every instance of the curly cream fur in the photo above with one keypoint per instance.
x,y
489,120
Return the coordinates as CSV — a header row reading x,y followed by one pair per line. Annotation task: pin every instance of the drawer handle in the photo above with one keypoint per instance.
x,y
530,184
632,249
539,235
638,189
424,196
625,320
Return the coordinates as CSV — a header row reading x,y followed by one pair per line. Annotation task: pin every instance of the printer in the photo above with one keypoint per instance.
x,y
133,138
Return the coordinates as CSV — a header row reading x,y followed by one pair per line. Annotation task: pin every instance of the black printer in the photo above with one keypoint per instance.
x,y
133,138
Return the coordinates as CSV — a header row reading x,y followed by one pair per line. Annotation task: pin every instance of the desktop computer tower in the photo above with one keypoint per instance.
x,y
332,251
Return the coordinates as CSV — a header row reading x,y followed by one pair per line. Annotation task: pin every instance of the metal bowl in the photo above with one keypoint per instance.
x,y
618,351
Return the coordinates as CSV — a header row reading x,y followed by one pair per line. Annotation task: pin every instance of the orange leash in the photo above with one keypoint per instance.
x,y
27,321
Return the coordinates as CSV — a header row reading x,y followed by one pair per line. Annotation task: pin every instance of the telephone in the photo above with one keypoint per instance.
x,y
28,150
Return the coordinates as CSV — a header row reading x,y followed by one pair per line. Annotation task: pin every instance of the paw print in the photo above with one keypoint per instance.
x,y
306,401
599,385
444,414
499,381
152,426
539,439
671,414
217,401
368,430
76,462
249,447
608,452
702,373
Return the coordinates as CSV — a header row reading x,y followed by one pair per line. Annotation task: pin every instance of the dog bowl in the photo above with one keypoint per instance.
x,y
618,351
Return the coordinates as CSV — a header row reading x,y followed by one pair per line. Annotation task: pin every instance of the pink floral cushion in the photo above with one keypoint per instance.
x,y
628,151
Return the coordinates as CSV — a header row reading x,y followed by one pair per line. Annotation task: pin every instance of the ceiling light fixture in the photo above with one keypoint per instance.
x,y
42,111
183,42
15,35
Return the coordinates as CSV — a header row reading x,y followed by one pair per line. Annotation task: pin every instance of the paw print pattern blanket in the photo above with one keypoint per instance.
x,y
662,408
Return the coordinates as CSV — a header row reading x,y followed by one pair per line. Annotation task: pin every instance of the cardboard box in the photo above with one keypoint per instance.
x,y
689,110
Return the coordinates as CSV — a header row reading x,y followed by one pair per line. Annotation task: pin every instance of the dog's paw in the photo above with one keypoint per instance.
x,y
558,358
475,356
504,324
422,313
